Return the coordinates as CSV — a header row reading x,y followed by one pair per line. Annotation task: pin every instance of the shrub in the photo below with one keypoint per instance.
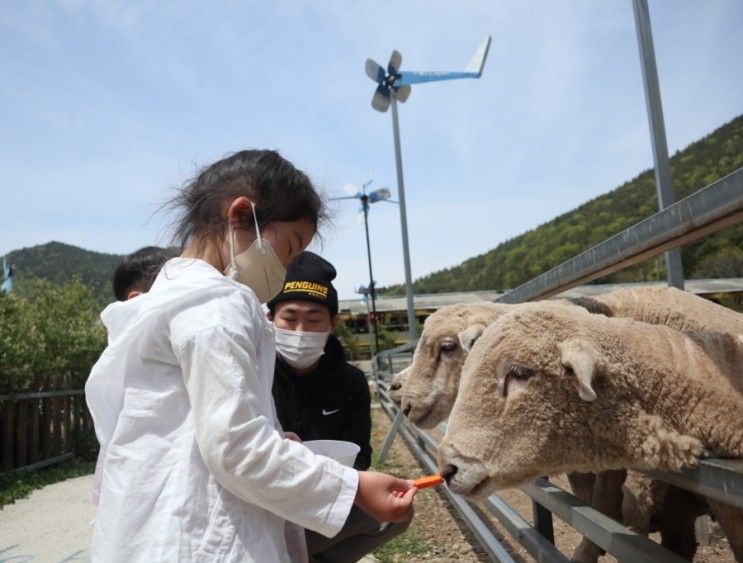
x,y
50,338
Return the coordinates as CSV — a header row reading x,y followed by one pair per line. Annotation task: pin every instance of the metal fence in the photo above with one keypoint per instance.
x,y
710,209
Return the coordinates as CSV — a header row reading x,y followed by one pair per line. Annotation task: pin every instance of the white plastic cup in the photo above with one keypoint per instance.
x,y
342,452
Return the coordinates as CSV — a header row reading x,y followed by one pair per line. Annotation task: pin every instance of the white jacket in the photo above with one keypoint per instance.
x,y
194,468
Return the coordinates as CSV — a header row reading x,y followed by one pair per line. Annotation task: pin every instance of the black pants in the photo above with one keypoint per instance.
x,y
361,534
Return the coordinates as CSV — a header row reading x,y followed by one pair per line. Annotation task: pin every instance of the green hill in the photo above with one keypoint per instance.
x,y
60,263
515,261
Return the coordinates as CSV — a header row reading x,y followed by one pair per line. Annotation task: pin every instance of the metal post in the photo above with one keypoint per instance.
x,y
657,130
365,205
412,329
543,521
390,436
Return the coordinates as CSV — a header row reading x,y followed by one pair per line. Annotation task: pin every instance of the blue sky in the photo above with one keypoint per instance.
x,y
106,106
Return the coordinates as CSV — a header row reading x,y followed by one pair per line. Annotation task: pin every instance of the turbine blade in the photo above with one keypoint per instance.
x,y
402,93
381,99
393,67
374,71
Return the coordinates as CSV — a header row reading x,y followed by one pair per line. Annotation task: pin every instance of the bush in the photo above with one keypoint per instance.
x,y
85,445
50,338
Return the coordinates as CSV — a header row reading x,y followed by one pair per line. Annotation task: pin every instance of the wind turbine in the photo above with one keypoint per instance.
x,y
381,194
7,285
394,85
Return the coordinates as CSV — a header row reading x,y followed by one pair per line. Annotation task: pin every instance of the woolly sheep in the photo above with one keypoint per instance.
x,y
549,389
450,332
433,378
397,383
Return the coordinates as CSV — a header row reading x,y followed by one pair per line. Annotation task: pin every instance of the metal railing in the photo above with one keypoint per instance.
x,y
710,209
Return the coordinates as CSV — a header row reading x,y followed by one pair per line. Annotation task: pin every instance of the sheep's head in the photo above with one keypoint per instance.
x,y
433,380
396,386
527,393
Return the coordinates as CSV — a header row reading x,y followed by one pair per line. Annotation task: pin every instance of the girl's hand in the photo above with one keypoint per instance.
x,y
292,436
385,498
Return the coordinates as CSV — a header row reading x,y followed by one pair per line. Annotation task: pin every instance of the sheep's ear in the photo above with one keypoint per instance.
x,y
581,360
469,336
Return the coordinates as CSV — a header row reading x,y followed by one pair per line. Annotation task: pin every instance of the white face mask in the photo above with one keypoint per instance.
x,y
300,349
258,267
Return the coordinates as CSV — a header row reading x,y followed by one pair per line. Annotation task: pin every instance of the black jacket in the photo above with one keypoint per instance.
x,y
331,403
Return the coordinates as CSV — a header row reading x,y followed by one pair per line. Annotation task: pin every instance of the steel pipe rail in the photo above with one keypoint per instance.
x,y
715,207
719,479
609,534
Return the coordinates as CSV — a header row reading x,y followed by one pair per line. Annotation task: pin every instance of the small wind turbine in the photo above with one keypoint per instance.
x,y
7,285
382,194
394,86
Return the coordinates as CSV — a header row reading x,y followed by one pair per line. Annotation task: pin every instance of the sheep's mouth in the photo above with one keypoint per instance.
x,y
476,491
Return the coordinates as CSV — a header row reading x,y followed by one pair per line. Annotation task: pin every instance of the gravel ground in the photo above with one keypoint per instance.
x,y
51,525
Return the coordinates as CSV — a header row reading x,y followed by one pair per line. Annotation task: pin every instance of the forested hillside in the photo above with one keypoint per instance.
x,y
60,263
525,256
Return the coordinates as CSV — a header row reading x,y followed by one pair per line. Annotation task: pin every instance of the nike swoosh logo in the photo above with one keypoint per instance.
x,y
326,413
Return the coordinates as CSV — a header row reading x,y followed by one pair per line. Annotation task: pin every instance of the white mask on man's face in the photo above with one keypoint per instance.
x,y
258,267
300,349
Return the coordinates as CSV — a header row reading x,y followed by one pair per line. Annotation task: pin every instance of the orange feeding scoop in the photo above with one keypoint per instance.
x,y
430,481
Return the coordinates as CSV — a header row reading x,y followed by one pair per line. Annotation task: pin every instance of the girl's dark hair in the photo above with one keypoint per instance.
x,y
279,191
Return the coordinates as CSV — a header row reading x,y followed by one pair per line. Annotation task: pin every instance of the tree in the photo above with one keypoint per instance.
x,y
49,338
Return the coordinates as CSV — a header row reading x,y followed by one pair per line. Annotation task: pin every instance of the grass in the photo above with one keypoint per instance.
x,y
401,548
414,544
18,485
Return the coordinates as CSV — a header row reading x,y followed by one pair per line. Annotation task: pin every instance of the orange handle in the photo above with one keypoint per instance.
x,y
430,481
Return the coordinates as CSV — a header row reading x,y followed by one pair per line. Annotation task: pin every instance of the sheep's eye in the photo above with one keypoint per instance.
x,y
447,345
522,373
517,374
395,386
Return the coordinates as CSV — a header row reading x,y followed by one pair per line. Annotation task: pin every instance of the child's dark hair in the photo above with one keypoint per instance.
x,y
279,191
138,271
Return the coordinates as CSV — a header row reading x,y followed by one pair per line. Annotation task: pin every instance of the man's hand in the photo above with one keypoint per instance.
x,y
292,436
385,498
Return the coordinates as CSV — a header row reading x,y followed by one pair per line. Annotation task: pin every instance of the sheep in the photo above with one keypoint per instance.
x,y
671,307
450,332
397,383
432,382
433,378
548,389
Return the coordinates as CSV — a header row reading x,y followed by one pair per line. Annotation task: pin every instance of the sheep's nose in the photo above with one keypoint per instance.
x,y
448,472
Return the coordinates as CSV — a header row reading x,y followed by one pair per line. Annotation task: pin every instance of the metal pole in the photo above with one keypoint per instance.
x,y
657,130
365,205
413,333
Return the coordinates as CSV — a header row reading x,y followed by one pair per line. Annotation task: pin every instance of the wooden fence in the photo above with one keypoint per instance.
x,y
36,429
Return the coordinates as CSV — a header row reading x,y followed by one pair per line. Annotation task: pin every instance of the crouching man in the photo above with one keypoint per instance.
x,y
320,396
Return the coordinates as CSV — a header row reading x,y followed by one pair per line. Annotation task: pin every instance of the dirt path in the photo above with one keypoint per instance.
x,y
52,524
